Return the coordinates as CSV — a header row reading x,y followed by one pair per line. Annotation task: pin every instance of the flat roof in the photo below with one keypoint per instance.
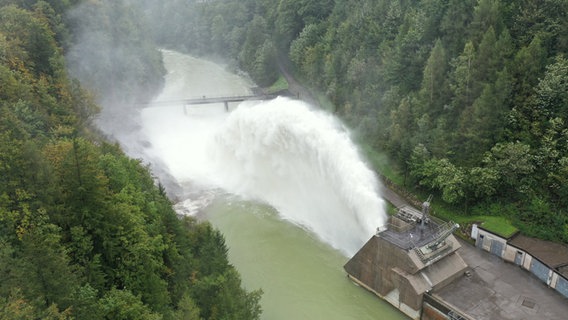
x,y
554,255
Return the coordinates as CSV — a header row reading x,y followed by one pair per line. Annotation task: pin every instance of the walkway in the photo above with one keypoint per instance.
x,y
297,89
393,198
209,100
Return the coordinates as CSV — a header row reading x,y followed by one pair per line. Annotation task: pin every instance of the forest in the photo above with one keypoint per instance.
x,y
468,99
85,231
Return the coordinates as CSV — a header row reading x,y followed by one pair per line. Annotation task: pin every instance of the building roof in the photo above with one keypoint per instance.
x,y
554,255
497,289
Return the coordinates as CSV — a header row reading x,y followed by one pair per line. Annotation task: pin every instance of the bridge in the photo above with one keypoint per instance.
x,y
209,100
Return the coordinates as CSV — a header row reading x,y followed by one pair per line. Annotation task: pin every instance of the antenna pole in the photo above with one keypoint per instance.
x,y
425,211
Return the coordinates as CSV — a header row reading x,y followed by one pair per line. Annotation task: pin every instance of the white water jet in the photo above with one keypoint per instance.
x,y
281,152
303,163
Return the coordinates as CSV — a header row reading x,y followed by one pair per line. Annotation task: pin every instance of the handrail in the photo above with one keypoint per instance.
x,y
208,100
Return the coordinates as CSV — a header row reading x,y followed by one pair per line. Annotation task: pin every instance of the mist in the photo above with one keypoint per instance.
x,y
284,153
113,57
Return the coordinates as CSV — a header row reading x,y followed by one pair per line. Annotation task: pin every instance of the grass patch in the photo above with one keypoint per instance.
x,y
498,225
390,209
279,85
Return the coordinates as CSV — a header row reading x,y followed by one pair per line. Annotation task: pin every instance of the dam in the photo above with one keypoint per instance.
x,y
414,255
418,266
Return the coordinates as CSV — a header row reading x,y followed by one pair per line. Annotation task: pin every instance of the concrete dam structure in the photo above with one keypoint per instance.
x,y
415,265
414,255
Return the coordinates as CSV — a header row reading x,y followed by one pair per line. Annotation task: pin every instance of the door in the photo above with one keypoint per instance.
x,y
540,270
519,258
562,286
479,242
497,248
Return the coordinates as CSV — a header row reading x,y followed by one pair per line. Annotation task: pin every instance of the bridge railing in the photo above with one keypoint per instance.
x,y
208,100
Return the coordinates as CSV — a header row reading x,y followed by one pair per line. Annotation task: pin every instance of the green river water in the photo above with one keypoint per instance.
x,y
300,273
302,278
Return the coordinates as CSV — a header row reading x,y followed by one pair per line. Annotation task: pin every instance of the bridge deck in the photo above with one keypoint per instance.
x,y
208,100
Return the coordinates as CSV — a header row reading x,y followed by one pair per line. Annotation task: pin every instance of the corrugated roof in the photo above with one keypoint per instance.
x,y
552,254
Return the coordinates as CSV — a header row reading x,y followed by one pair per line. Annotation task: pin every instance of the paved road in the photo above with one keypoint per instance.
x,y
393,197
297,89
500,290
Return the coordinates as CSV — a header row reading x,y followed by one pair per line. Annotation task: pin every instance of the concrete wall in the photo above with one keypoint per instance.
x,y
527,262
431,313
554,280
490,242
510,254
399,276
474,231
517,256
373,263
372,267
434,308
393,256
407,295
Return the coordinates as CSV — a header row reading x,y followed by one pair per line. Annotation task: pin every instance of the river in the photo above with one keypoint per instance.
x,y
281,180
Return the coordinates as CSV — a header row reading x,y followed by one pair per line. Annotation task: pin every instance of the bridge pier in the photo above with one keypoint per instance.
x,y
226,106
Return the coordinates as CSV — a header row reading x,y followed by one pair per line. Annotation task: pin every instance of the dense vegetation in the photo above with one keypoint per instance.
x,y
469,98
84,231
